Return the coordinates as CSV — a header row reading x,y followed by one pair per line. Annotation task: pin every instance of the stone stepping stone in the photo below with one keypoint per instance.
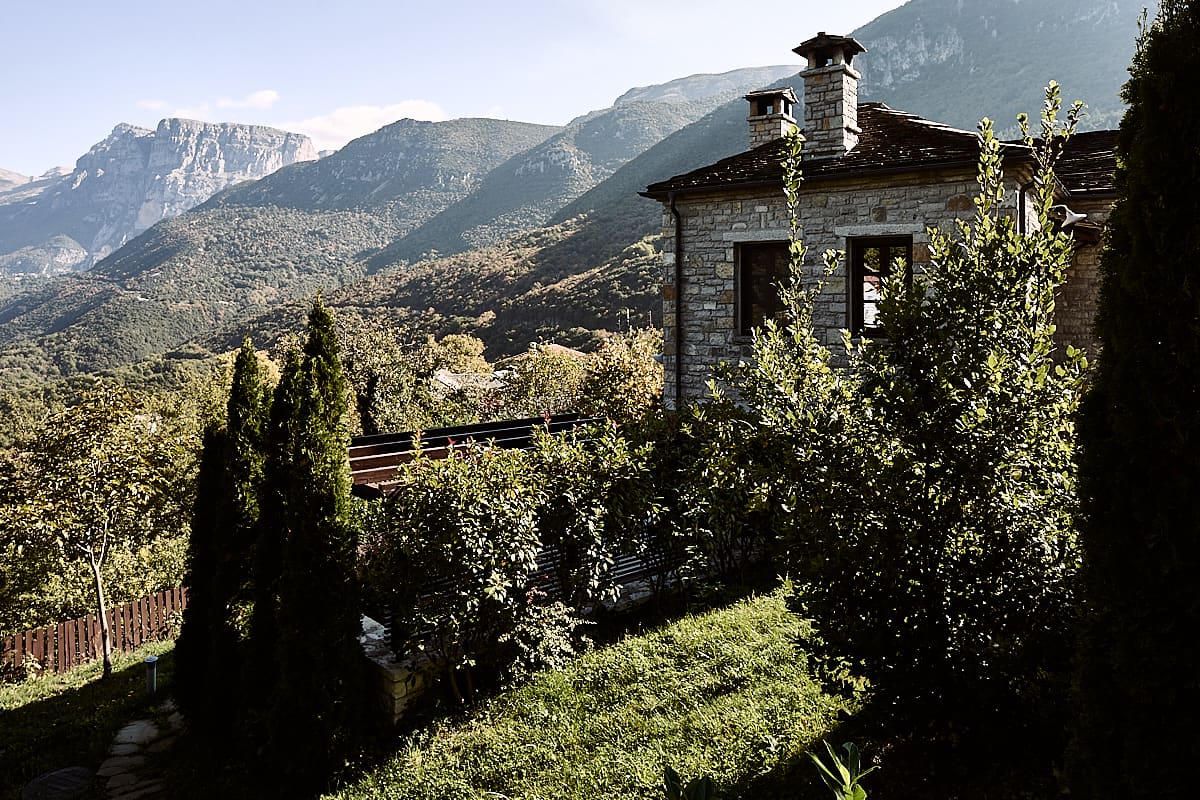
x,y
118,764
137,732
122,779
61,784
140,791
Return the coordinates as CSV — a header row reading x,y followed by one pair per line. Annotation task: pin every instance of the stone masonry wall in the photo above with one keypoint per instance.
x,y
831,214
830,110
1075,307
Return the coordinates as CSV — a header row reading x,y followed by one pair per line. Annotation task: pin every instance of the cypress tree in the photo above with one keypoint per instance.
x,y
237,526
1140,442
192,651
315,711
224,525
260,673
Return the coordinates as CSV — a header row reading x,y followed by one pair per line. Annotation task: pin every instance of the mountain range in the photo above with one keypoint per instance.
x,y
126,183
515,231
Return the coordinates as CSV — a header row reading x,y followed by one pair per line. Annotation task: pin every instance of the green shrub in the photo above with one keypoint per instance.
x,y
928,488
453,563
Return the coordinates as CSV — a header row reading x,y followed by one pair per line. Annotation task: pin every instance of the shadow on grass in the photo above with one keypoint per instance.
x,y
925,755
71,720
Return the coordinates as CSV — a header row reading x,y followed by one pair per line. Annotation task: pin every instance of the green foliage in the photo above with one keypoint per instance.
x,y
843,776
726,499
315,716
592,485
623,380
545,636
103,482
394,376
202,617
546,380
460,542
453,555
224,526
927,489
279,492
726,693
1140,443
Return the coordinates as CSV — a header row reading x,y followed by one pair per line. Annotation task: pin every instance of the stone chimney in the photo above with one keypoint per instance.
x,y
770,114
830,95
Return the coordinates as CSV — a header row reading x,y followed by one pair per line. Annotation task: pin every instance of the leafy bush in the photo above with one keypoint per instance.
x,y
545,636
454,562
928,487
592,485
623,380
545,380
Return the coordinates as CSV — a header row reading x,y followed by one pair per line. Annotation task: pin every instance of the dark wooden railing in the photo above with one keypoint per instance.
x,y
374,458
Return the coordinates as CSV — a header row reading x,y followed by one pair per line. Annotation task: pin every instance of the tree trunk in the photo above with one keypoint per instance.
x,y
105,633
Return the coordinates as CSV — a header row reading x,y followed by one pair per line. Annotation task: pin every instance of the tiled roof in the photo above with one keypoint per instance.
x,y
1086,165
892,142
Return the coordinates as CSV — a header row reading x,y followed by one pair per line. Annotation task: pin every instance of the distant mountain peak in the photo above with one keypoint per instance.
x,y
130,180
703,86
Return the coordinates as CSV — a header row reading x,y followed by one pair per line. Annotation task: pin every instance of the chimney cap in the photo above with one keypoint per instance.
x,y
787,92
823,46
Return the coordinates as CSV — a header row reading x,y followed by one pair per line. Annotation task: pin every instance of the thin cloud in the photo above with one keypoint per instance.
x,y
206,110
331,131
153,105
263,98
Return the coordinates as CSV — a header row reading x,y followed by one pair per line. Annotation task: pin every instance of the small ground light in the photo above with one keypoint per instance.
x,y
151,674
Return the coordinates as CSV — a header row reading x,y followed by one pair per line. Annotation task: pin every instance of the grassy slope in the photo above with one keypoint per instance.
x,y
725,693
66,720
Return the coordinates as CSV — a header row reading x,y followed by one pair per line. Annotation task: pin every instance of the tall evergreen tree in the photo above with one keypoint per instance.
x,y
259,676
315,711
242,485
193,649
1140,442
224,526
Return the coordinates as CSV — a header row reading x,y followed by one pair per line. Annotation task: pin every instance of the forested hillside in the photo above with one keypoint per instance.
x,y
393,205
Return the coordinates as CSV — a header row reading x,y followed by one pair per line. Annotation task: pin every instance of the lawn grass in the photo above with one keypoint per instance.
x,y
727,693
68,720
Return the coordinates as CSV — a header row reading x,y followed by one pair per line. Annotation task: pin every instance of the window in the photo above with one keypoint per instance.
x,y
761,269
871,260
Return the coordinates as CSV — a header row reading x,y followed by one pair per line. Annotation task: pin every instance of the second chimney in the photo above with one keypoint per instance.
x,y
771,114
830,95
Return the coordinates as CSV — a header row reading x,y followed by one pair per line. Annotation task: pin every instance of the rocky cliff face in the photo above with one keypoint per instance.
x,y
956,61
131,180
11,180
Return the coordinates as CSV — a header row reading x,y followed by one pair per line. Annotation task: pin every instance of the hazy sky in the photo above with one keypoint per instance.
x,y
75,68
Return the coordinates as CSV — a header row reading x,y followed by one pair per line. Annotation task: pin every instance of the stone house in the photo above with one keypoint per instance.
x,y
874,180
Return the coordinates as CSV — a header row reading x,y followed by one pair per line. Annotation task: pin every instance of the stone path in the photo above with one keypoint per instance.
x,y
129,772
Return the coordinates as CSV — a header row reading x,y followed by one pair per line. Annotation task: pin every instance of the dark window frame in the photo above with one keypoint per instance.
x,y
750,310
857,248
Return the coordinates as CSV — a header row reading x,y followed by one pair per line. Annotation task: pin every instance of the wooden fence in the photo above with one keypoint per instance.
x,y
66,645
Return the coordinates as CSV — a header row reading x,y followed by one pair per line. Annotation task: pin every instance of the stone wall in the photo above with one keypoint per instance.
x,y
1075,308
394,686
831,214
